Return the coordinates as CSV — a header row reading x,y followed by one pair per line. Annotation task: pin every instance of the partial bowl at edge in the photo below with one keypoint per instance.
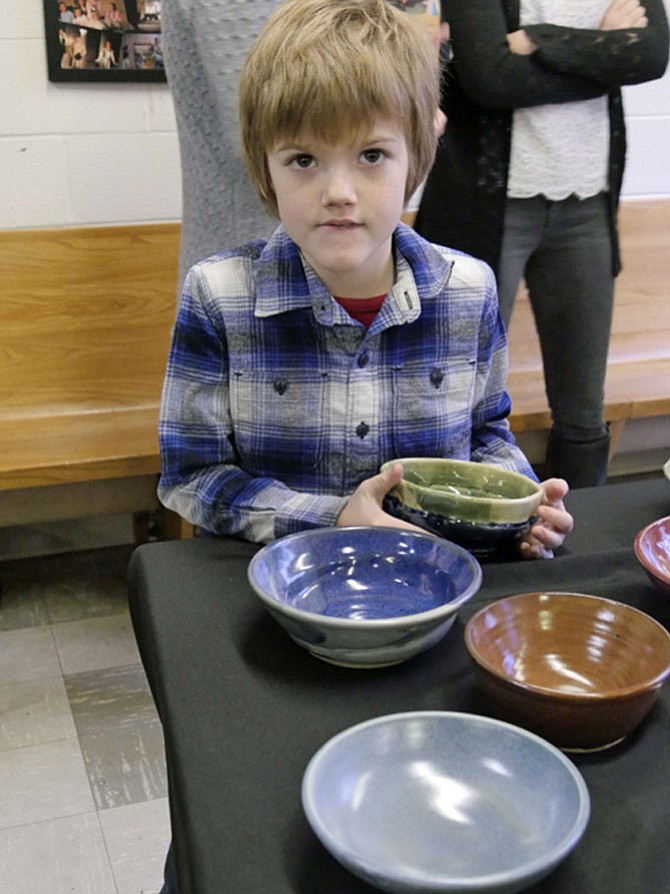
x,y
652,549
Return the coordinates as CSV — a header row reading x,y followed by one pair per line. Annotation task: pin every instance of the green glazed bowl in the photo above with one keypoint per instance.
x,y
468,492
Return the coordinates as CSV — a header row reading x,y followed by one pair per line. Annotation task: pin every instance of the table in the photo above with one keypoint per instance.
x,y
244,708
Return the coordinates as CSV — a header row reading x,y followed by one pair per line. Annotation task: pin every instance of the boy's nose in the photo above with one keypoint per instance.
x,y
338,189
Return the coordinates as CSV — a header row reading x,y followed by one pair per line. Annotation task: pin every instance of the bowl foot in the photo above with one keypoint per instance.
x,y
358,665
594,749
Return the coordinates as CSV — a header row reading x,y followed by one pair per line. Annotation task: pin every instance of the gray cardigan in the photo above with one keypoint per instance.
x,y
205,43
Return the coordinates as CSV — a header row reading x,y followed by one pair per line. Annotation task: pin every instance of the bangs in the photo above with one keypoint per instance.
x,y
332,102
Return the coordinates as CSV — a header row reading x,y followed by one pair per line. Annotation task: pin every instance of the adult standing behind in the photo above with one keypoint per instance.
x,y
528,177
205,43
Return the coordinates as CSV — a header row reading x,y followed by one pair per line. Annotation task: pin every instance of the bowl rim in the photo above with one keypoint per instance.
x,y
641,556
467,499
451,883
620,693
300,614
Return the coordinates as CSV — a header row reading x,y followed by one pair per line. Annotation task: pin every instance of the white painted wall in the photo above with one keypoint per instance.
x,y
79,154
647,108
85,154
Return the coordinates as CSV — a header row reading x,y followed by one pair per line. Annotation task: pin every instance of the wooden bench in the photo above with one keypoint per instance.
x,y
637,388
85,317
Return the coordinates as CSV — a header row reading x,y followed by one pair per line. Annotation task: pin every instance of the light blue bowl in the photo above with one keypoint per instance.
x,y
364,596
434,802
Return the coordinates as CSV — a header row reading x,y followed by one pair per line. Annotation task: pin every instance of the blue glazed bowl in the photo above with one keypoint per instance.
x,y
364,596
433,802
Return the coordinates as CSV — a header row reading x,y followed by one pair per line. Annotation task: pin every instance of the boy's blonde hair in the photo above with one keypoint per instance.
x,y
328,68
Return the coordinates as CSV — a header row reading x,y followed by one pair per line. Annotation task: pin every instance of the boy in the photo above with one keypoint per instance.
x,y
300,365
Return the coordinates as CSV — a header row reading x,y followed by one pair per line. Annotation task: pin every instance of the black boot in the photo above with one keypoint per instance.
x,y
169,874
581,463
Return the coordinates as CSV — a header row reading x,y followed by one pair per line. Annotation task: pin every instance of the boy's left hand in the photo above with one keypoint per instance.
x,y
554,522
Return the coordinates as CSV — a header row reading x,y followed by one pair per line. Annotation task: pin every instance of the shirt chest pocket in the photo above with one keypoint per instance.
x,y
278,420
432,408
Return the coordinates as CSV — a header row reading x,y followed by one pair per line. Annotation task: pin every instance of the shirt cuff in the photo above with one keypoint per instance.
x,y
305,511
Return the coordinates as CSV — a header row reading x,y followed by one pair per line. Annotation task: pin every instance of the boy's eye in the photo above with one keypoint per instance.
x,y
372,156
302,161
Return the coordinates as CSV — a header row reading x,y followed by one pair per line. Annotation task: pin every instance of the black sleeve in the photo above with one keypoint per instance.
x,y
613,58
495,78
570,64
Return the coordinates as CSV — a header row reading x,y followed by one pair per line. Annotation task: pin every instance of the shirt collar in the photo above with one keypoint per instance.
x,y
285,281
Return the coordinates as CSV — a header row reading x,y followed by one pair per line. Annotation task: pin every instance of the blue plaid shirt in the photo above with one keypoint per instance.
x,y
276,404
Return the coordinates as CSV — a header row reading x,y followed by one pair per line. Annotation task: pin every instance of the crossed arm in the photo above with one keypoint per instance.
x,y
547,63
619,15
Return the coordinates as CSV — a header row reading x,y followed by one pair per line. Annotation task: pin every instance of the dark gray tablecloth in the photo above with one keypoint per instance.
x,y
244,709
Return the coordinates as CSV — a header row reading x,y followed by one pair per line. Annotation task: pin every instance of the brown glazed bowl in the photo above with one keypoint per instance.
x,y
652,548
580,671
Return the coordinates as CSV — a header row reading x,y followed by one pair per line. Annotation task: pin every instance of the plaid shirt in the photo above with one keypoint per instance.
x,y
276,404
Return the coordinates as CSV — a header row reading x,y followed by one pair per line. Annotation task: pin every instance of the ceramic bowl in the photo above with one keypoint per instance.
x,y
483,508
429,801
652,548
579,670
364,596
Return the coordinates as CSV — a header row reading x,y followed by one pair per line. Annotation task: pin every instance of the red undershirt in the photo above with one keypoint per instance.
x,y
363,310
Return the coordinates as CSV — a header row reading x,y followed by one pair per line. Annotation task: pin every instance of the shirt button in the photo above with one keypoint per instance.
x,y
436,377
363,359
362,429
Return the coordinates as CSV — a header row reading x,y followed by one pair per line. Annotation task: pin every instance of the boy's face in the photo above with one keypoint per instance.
x,y
340,203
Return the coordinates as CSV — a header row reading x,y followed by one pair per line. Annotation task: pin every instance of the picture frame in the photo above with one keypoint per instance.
x,y
104,41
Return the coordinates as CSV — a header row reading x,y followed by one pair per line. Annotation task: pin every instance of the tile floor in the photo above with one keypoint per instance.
x,y
83,806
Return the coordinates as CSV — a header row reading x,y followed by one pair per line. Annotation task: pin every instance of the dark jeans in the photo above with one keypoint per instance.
x,y
564,252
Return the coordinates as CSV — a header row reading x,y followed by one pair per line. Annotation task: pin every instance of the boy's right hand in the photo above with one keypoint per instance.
x,y
364,506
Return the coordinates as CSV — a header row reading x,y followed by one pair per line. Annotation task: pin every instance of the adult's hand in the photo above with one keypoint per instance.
x,y
520,44
622,14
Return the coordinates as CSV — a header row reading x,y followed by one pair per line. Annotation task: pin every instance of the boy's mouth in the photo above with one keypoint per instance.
x,y
341,224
